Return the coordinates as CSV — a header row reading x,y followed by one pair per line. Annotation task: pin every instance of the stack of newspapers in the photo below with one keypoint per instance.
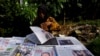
x,y
42,43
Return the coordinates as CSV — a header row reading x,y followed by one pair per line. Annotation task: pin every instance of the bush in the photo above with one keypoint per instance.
x,y
16,19
94,46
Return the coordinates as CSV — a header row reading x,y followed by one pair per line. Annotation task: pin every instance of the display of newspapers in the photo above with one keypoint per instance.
x,y
49,46
72,50
69,40
26,49
9,45
40,35
44,51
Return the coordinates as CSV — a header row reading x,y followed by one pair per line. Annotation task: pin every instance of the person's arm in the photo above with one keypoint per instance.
x,y
54,24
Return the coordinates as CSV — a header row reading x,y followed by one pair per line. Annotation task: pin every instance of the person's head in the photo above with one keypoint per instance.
x,y
42,11
45,54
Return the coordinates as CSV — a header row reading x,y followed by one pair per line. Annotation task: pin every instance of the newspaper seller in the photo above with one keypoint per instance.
x,y
44,21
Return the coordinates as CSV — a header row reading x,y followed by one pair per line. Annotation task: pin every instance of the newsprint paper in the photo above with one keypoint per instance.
x,y
72,50
44,51
40,35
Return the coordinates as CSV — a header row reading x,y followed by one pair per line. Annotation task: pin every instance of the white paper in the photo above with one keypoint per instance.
x,y
63,51
68,41
41,34
4,42
72,50
17,40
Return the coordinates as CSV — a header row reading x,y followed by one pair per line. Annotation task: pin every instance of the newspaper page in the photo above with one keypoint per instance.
x,y
10,50
72,50
6,48
32,38
17,40
63,51
78,50
68,41
4,42
1,47
24,50
43,51
41,34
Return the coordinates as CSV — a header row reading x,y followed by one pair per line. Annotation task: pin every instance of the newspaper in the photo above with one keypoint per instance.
x,y
62,51
9,46
32,38
43,51
9,50
40,35
17,40
1,48
4,42
24,50
70,47
67,46
69,40
72,50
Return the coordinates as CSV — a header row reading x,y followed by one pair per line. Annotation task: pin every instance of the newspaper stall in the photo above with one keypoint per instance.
x,y
42,43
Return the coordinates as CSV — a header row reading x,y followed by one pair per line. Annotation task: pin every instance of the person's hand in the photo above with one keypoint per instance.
x,y
45,25
48,23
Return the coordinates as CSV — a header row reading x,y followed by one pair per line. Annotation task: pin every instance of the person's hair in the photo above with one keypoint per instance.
x,y
42,8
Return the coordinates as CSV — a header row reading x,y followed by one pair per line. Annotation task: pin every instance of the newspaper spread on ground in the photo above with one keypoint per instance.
x,y
41,34
17,46
44,51
72,50
8,47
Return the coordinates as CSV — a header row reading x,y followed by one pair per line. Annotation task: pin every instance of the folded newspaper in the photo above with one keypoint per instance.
x,y
39,36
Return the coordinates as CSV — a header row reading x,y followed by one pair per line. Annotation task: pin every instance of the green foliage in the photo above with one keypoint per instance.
x,y
94,46
14,16
54,6
91,22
